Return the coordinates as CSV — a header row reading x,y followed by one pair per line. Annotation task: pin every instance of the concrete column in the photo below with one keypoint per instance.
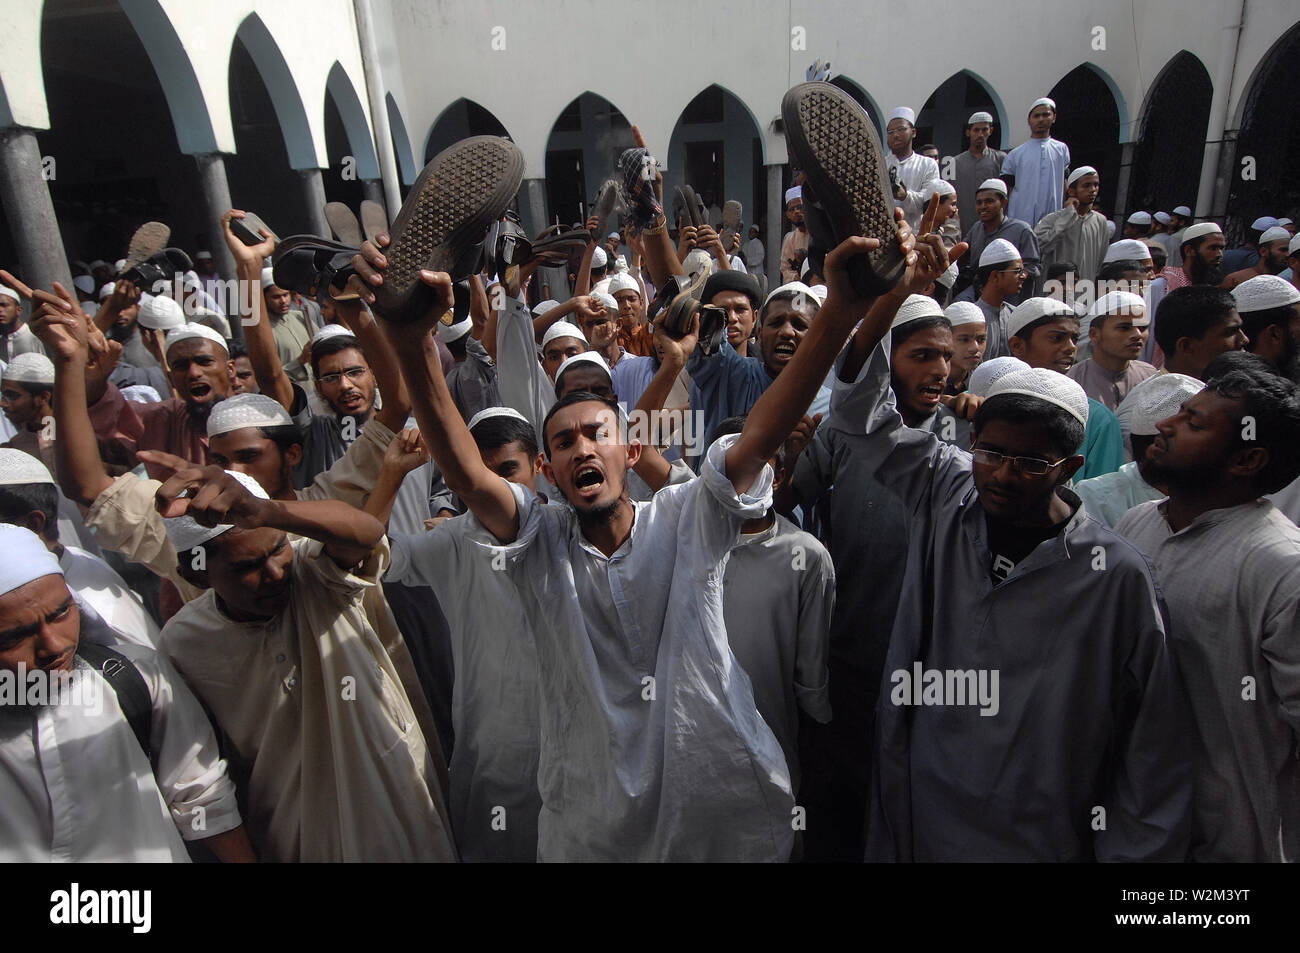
x,y
775,218
313,195
27,205
373,189
392,184
532,206
216,196
1220,141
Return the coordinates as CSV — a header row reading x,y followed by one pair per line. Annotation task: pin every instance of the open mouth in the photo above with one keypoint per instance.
x,y
930,393
352,401
200,389
1063,366
588,480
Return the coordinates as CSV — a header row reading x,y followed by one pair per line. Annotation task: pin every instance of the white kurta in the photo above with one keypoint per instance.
x,y
100,590
76,786
651,745
1039,166
916,173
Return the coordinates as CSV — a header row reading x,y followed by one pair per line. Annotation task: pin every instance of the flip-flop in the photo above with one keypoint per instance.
x,y
607,204
303,262
343,224
442,224
373,219
246,229
733,213
149,239
831,138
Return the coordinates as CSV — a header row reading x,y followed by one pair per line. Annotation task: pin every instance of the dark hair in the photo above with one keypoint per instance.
x,y
1189,312
283,436
789,296
904,331
577,397
1114,270
1195,242
1028,330
491,433
735,425
340,342
1058,268
36,389
237,351
1159,257
984,272
1140,443
19,499
1274,403
1063,428
560,374
1253,323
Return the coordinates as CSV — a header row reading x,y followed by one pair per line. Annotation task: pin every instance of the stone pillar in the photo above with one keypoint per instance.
x,y
216,198
30,212
313,195
775,221
373,189
392,184
532,206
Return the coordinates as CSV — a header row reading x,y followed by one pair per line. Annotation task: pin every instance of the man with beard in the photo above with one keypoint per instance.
x,y
1195,325
795,245
15,337
126,316
1229,567
1202,251
1109,496
1272,258
977,164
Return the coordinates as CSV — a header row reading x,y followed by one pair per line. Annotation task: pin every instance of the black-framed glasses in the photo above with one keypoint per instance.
x,y
1014,271
357,373
1028,465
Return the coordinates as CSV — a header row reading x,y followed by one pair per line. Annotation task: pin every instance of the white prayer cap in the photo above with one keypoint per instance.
x,y
1031,309
902,112
1043,101
106,289
185,532
1121,302
246,410
613,235
9,293
620,264
989,372
141,394
98,263
915,308
1263,223
1164,218
797,287
1155,399
997,185
119,265
447,333
941,188
586,357
623,282
979,117
19,468
1110,229
30,368
330,331
1046,385
611,305
23,557
562,329
1183,210
1203,228
998,251
84,284
1139,218
1079,173
1128,249
487,412
598,258
268,278
964,312
160,311
1256,294
1292,247
542,307
192,330
1285,221
1275,234
792,193
948,277
203,256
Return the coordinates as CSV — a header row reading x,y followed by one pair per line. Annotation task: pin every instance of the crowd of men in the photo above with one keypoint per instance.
x,y
973,538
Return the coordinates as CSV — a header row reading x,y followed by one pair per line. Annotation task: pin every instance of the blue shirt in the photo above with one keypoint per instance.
x,y
1039,167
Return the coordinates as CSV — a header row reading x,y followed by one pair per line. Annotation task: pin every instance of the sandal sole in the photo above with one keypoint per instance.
x,y
833,141
466,188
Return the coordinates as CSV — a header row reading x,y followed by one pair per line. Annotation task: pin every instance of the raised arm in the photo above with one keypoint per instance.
x,y
441,426
258,336
652,466
405,453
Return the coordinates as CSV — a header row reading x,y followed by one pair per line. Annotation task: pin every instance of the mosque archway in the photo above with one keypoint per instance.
x,y
1170,148
582,151
716,147
1088,120
941,120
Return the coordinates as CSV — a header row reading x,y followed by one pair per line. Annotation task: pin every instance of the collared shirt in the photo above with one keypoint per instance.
x,y
1065,235
638,341
76,786
778,596
651,745
1232,582
1107,386
1109,496
916,174
1018,233
971,171
322,736
1021,783
124,426
1039,166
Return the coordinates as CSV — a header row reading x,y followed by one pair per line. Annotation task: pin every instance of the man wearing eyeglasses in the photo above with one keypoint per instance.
x,y
997,281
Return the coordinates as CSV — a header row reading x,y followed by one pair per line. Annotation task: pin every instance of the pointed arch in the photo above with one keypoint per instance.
x,y
1090,122
459,120
339,87
1170,147
280,85
864,99
583,145
717,148
942,118
180,84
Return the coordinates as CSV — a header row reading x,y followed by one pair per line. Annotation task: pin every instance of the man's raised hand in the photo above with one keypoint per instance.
x,y
246,254
208,494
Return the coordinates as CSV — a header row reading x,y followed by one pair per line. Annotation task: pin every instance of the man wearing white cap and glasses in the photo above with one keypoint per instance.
x,y
911,174
1229,566
15,337
1109,496
1272,258
795,244
1035,170
75,777
993,224
999,278
1117,327
978,163
1077,232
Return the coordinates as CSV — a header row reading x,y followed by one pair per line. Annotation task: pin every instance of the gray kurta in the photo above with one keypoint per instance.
x,y
970,173
1065,235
